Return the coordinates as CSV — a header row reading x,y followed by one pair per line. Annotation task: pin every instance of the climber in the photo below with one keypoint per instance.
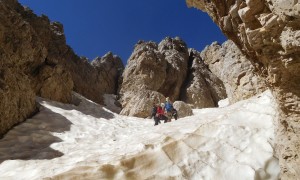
x,y
169,109
154,110
174,113
153,114
161,114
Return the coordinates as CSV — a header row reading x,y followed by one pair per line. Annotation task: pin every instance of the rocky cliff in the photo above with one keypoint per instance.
x,y
25,69
168,69
144,74
96,79
175,53
35,61
92,81
235,70
268,32
202,88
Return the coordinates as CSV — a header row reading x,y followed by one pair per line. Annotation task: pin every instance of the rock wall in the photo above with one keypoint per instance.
x,y
35,61
268,32
202,88
96,79
235,70
112,67
176,54
49,78
23,63
156,71
92,81
144,74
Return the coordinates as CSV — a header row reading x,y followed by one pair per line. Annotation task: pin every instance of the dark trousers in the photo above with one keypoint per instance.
x,y
172,114
157,119
175,116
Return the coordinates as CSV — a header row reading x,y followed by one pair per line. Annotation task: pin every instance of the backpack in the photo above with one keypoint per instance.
x,y
154,110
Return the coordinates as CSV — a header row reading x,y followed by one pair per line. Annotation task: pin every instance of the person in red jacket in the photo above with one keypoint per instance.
x,y
160,113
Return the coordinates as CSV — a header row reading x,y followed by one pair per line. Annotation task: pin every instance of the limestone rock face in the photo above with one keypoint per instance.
x,y
144,74
49,78
170,70
202,88
90,81
17,98
139,102
96,79
112,68
146,66
183,109
235,70
153,71
23,61
267,31
176,54
53,82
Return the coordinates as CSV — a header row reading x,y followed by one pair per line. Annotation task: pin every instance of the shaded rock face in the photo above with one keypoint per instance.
x,y
35,61
268,32
235,70
183,109
49,78
112,68
17,99
96,79
153,72
23,62
202,88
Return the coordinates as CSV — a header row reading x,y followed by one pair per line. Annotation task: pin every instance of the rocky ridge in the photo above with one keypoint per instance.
x,y
36,61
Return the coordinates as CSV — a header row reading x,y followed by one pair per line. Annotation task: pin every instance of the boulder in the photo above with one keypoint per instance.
x,y
183,109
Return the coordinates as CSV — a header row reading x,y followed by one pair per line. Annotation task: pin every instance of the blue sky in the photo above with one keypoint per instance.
x,y
94,27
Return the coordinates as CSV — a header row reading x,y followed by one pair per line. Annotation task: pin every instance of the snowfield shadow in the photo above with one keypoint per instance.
x,y
88,107
85,107
32,138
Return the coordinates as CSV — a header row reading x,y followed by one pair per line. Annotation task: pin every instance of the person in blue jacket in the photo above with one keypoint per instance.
x,y
169,109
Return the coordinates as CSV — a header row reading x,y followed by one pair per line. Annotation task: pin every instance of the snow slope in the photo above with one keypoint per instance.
x,y
90,142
